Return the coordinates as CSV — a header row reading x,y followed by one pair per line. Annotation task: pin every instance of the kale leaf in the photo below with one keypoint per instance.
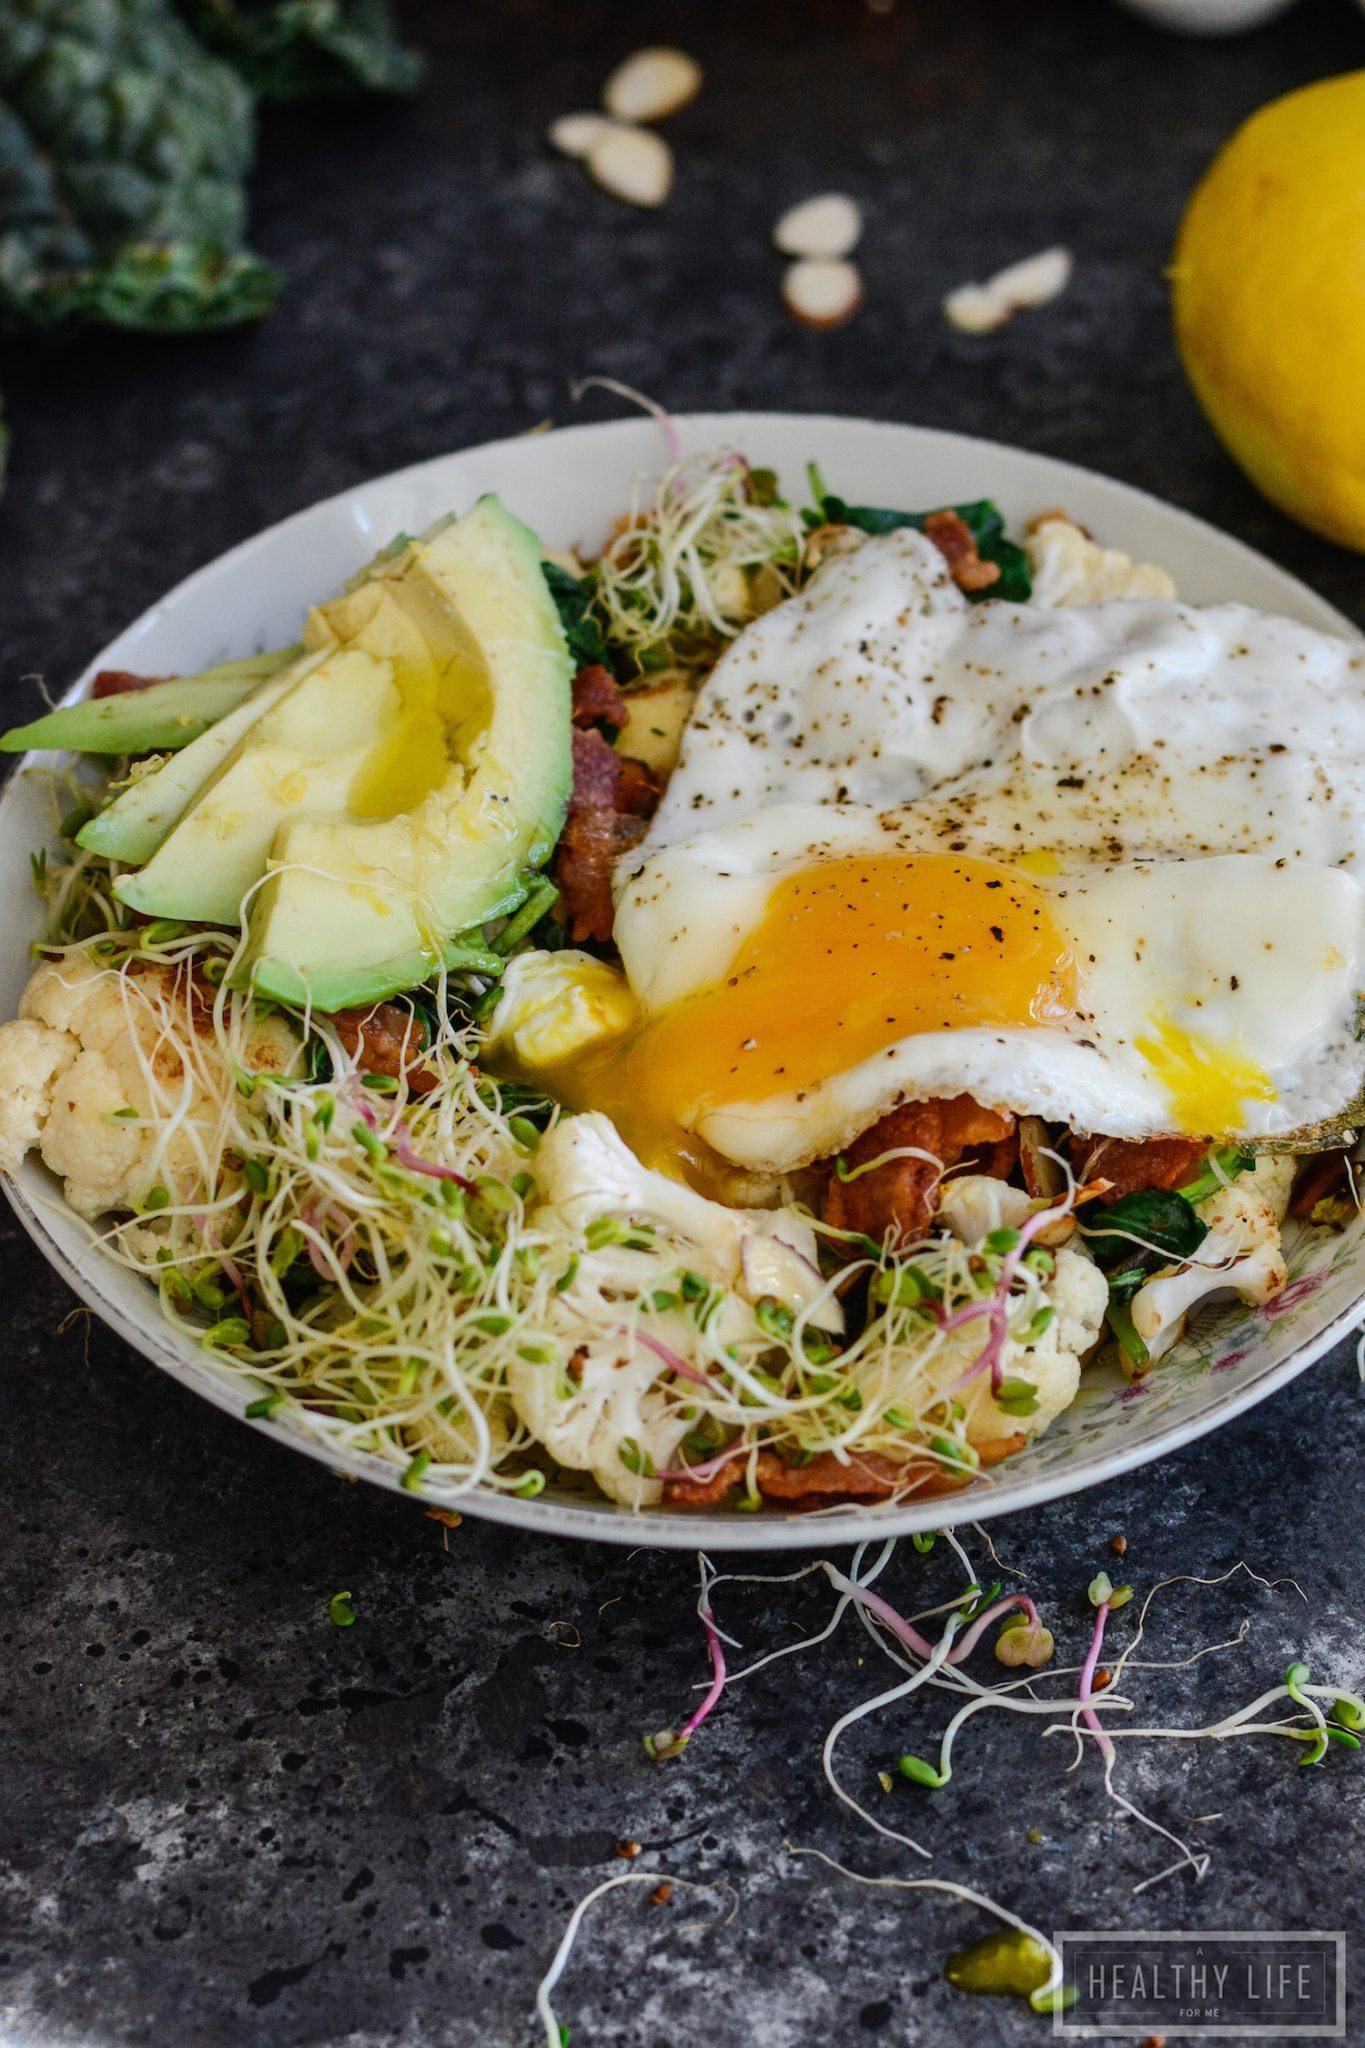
x,y
299,49
573,600
124,149
982,518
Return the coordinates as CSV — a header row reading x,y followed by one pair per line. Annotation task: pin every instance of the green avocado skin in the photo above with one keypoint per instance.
x,y
357,909
158,720
280,983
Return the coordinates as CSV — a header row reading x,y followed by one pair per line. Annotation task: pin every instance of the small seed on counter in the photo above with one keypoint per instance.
x,y
822,293
982,308
574,134
1119,1544
628,1851
632,164
826,227
651,85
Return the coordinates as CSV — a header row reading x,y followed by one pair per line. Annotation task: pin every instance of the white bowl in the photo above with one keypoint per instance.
x,y
570,485
1207,17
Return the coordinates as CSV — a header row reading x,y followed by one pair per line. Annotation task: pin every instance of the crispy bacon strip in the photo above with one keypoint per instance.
x,y
120,682
597,700
613,797
389,1039
1325,1177
898,1196
1129,1164
953,538
866,1477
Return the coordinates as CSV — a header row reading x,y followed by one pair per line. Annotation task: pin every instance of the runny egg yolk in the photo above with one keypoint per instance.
x,y
850,956
1209,1082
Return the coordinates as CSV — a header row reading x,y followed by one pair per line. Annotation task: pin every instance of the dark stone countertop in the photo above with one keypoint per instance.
x,y
225,1823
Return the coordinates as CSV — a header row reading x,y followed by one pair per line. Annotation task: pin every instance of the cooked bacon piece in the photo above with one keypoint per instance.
x,y
613,797
389,1041
866,1476
953,538
119,682
1129,1164
637,789
1325,1178
597,700
898,1196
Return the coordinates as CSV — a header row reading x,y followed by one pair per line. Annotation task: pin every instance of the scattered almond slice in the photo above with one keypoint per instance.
x,y
652,85
575,134
825,227
632,164
822,292
981,308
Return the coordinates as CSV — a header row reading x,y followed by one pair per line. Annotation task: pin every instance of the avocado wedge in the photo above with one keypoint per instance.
x,y
300,754
132,827
163,717
459,799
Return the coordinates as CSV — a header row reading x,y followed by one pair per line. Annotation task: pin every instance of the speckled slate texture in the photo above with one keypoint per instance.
x,y
225,1823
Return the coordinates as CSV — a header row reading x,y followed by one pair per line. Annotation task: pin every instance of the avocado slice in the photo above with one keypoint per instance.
x,y
157,720
463,795
302,754
131,828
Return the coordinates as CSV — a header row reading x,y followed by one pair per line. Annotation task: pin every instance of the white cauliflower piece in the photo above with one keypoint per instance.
x,y
32,1055
1241,1255
1069,568
91,1044
974,1204
453,1440
586,1171
607,1414
1079,1294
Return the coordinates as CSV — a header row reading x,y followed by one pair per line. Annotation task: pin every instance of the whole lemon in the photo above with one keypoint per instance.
x,y
1268,282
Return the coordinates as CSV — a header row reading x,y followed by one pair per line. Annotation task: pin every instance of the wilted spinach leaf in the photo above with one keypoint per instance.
x,y
982,518
1152,1217
573,601
299,49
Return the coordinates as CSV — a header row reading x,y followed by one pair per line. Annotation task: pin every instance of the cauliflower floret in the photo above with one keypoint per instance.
x,y
1070,568
974,1204
586,1171
90,1045
452,1440
1241,1255
607,1414
1079,1295
32,1056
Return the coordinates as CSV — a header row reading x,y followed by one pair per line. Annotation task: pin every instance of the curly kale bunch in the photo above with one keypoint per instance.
x,y
296,49
125,144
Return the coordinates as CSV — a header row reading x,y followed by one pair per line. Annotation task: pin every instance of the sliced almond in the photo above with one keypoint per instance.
x,y
822,293
632,164
981,308
651,85
827,226
575,134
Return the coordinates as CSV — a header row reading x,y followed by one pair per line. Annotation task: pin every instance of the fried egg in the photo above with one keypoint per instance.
x,y
1093,864
802,972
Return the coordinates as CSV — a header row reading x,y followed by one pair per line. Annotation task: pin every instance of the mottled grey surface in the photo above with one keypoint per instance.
x,y
224,1821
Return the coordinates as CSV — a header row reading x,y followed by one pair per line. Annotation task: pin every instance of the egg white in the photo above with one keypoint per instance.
x,y
1138,729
